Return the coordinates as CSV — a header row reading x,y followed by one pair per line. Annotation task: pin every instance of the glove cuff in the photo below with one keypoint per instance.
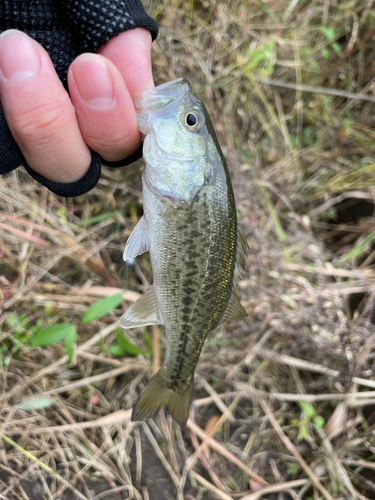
x,y
11,156
126,161
82,186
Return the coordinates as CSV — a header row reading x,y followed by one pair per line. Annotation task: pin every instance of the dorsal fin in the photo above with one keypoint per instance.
x,y
242,249
234,310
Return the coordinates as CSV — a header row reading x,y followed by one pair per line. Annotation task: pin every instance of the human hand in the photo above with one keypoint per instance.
x,y
54,131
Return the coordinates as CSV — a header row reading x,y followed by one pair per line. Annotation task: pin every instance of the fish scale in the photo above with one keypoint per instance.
x,y
192,302
191,231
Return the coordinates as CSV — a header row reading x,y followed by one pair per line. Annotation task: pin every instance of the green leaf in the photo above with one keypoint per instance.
x,y
12,319
318,422
354,252
263,54
307,409
292,469
328,32
336,47
325,53
96,218
52,334
126,345
102,307
36,403
70,340
303,433
48,309
21,337
148,341
116,350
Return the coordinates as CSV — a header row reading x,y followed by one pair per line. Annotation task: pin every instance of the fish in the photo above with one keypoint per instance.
x,y
197,247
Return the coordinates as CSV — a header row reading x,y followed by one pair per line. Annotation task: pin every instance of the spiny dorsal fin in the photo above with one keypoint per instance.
x,y
242,249
234,310
138,241
143,312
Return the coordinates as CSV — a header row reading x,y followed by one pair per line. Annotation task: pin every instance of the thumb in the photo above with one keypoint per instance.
x,y
131,53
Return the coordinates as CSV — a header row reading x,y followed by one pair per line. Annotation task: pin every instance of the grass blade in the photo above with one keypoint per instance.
x,y
52,334
102,307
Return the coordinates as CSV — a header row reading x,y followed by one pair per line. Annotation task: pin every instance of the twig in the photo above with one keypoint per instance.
x,y
163,460
205,460
275,488
106,291
128,488
215,445
202,448
116,417
219,493
43,466
315,90
326,271
218,402
351,399
296,362
93,379
252,353
210,399
360,463
146,496
293,450
156,345
18,388
138,454
102,359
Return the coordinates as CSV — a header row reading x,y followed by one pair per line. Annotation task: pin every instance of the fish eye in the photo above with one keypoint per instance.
x,y
193,120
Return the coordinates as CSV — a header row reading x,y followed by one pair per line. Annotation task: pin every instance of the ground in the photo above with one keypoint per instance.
x,y
288,395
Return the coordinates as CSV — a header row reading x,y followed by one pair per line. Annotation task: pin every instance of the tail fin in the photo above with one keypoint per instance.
x,y
157,394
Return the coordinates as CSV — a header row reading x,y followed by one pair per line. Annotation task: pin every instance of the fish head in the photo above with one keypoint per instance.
x,y
178,149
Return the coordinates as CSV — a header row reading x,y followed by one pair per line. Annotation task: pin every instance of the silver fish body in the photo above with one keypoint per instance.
x,y
191,231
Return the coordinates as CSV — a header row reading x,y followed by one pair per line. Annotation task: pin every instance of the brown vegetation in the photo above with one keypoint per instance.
x,y
284,404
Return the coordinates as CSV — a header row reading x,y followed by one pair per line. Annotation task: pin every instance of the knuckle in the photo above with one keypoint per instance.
x,y
43,122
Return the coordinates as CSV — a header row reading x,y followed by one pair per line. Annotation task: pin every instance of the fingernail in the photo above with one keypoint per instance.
x,y
93,81
18,58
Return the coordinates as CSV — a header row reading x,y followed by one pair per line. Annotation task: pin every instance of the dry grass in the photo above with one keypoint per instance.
x,y
284,402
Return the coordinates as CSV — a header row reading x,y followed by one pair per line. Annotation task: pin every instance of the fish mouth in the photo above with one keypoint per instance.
x,y
156,100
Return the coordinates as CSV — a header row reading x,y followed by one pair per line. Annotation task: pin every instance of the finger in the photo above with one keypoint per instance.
x,y
104,107
131,54
38,110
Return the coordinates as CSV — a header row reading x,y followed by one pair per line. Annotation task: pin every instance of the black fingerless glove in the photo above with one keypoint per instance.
x,y
67,28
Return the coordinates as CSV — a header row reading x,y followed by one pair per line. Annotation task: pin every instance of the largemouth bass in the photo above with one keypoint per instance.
x,y
196,245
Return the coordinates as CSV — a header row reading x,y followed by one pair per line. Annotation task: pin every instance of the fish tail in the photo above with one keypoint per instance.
x,y
157,394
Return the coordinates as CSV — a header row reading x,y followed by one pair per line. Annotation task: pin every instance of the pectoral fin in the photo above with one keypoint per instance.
x,y
138,241
234,310
143,312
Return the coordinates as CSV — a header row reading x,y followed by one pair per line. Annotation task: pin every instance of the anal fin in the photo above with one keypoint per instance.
x,y
143,312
